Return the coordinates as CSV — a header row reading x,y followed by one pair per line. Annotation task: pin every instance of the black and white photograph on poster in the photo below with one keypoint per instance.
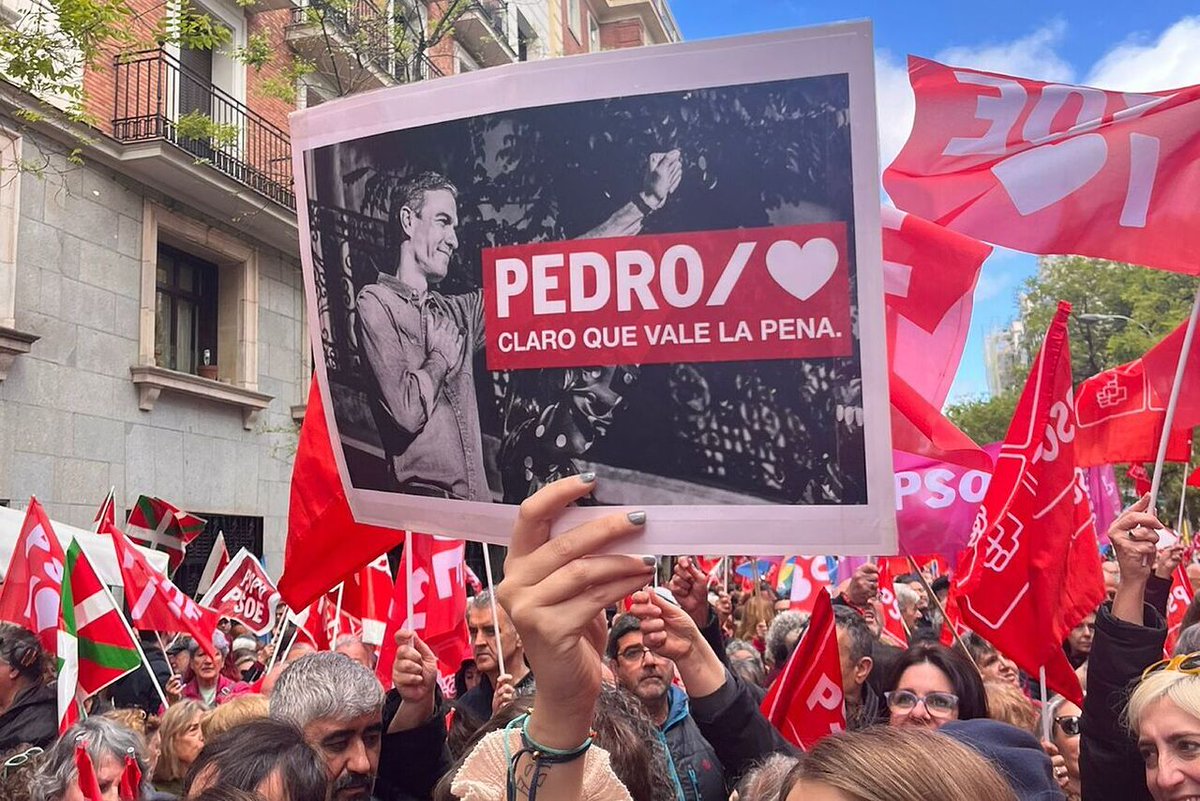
x,y
671,282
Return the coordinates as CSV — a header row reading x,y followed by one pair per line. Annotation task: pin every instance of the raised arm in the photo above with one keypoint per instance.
x,y
663,173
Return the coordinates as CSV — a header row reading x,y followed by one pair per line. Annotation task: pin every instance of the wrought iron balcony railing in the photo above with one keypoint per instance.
x,y
157,98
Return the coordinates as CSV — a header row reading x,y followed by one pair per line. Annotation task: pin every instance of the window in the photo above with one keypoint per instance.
x,y
593,35
573,17
185,312
240,532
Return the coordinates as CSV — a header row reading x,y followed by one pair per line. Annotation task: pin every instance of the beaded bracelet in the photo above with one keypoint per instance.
x,y
541,755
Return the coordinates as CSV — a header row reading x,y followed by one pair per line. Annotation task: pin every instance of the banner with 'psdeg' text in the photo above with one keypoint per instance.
x,y
661,265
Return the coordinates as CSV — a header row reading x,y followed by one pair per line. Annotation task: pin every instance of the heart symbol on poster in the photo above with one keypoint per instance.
x,y
802,270
1038,178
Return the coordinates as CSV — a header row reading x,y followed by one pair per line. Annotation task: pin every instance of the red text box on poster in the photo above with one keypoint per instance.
x,y
712,296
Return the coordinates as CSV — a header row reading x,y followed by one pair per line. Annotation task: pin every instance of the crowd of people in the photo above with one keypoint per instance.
x,y
657,702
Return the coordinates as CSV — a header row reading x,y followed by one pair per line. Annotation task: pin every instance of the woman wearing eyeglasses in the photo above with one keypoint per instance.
x,y
932,685
1064,730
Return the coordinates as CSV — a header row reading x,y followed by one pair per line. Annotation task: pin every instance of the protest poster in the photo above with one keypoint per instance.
x,y
661,265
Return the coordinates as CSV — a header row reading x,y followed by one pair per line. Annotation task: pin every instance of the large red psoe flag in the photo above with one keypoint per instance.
x,y
1048,168
1032,569
153,600
324,544
439,602
1161,362
1121,418
805,702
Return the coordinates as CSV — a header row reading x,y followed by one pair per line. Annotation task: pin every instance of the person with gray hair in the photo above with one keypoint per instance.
x,y
782,635
353,646
855,642
490,636
107,744
909,601
338,704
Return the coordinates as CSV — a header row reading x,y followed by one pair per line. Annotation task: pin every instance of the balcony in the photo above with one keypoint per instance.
x,y
656,15
484,31
154,94
347,38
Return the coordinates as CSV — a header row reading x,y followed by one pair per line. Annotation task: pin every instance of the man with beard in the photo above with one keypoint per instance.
x,y
489,637
696,771
338,704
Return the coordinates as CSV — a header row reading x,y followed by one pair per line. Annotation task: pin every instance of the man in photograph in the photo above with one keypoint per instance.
x,y
419,344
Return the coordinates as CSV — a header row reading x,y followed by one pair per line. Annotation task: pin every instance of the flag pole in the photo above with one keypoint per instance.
x,y
137,642
337,611
409,602
487,566
1046,721
1169,420
1182,502
933,599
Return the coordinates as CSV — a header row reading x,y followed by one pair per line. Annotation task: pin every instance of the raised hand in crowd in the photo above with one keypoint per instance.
x,y
1167,559
555,591
864,585
1134,536
505,692
689,585
414,675
173,689
672,633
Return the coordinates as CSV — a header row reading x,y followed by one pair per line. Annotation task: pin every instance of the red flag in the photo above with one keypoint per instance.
x,y
1140,478
810,581
1194,479
130,788
1047,168
1177,605
439,607
920,428
89,785
893,624
324,544
1121,418
107,513
29,595
930,274
1014,588
218,560
1162,360
244,592
367,596
805,702
154,602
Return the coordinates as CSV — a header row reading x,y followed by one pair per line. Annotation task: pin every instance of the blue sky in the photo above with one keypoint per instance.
x,y
1098,42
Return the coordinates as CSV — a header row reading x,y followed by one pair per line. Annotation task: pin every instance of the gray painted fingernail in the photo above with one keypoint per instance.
x,y
587,478
650,561
637,518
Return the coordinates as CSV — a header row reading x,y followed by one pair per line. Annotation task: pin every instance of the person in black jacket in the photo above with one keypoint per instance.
x,y
28,706
1129,637
137,690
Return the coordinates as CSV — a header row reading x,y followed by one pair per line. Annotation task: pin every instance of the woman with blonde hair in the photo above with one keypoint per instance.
x,y
756,620
182,741
890,764
233,713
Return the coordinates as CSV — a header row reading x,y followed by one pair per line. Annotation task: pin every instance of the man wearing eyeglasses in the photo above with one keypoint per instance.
x,y
696,771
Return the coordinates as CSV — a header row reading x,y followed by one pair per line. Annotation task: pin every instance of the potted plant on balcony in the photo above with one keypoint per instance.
x,y
207,368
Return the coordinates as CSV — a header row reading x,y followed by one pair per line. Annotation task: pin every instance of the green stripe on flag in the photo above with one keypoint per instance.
x,y
110,657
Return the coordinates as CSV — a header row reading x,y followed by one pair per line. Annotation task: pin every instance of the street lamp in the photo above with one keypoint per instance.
x,y
1099,318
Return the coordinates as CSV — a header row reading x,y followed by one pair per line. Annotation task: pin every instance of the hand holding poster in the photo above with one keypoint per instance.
x,y
662,266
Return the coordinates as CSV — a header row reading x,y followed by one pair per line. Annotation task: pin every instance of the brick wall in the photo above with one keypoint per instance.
x,y
274,24
573,44
100,83
622,33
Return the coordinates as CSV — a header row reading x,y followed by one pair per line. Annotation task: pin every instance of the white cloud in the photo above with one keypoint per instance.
x,y
1139,66
1032,56
894,100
